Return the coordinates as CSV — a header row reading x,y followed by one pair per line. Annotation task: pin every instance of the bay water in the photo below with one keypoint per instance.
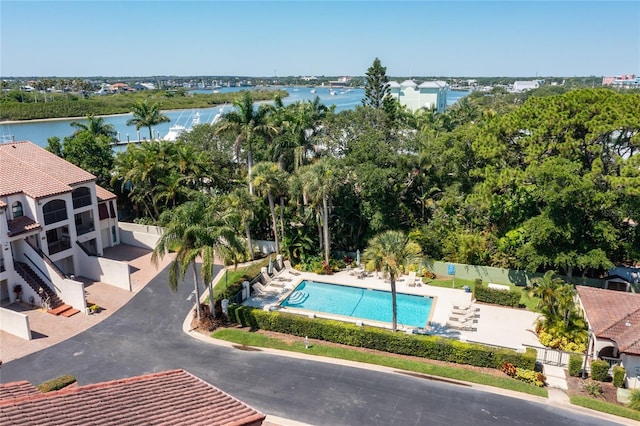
x,y
38,131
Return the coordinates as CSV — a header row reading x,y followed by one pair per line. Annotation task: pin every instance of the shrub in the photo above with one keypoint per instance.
x,y
618,376
508,369
530,376
594,389
634,400
432,347
599,370
56,384
575,365
497,297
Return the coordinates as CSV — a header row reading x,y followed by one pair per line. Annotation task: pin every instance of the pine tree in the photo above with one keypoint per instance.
x,y
377,93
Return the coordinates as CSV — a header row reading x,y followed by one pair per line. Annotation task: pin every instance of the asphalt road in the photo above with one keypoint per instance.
x,y
146,336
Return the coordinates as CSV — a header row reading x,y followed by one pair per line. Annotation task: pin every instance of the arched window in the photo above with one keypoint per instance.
x,y
16,209
54,211
81,197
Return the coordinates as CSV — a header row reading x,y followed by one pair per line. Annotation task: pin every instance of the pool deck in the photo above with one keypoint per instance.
x,y
511,328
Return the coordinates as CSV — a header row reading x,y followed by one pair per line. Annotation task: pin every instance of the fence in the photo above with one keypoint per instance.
x,y
499,275
552,356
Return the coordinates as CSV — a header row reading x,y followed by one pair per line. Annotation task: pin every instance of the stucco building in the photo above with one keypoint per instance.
x,y
428,95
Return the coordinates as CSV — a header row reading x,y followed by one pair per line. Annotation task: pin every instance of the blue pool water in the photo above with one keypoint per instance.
x,y
359,303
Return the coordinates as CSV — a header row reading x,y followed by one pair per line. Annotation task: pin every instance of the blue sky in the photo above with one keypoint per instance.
x,y
267,38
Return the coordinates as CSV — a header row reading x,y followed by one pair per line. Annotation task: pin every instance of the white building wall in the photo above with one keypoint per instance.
x,y
631,364
15,323
145,236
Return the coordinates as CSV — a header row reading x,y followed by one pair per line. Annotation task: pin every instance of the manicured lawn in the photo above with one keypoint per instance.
x,y
259,340
529,302
605,407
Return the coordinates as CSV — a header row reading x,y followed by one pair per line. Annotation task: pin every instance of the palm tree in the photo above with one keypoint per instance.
x,y
244,204
269,180
146,115
197,229
246,123
389,252
96,126
319,183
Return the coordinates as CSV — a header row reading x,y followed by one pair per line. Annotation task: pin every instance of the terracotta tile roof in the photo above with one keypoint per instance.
x,y
21,224
613,315
17,390
36,172
3,204
170,397
103,194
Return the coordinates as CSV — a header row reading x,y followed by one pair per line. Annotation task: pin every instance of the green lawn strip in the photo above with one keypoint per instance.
x,y
605,407
260,340
239,274
448,282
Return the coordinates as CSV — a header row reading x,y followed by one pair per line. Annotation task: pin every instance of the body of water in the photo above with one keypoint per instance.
x,y
38,131
359,302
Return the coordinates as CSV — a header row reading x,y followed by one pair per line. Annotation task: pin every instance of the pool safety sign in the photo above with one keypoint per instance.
x,y
451,269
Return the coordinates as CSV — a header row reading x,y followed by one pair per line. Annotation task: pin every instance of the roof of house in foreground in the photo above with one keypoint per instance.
x,y
170,397
30,169
613,315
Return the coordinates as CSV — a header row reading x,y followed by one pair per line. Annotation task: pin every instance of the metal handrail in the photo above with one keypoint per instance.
x,y
46,260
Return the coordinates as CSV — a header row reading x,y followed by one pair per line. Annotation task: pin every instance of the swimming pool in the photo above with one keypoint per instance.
x,y
359,302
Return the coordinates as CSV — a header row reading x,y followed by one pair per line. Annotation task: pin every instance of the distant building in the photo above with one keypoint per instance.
x,y
430,94
625,80
341,82
522,86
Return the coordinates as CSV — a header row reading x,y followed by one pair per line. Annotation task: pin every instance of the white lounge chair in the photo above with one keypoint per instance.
x,y
411,279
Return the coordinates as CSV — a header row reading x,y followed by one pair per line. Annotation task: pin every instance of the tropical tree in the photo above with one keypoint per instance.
x,y
95,126
561,324
244,204
246,123
269,181
320,181
390,252
146,115
199,228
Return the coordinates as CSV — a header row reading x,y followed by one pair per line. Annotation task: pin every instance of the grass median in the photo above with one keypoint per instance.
x,y
605,407
423,367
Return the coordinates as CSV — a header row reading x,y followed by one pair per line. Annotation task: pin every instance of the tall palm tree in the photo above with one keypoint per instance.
x,y
197,229
146,115
269,180
244,204
96,126
389,252
319,183
246,123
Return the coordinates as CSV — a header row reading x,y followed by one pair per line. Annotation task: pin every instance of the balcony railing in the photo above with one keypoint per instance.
x,y
60,245
83,229
612,361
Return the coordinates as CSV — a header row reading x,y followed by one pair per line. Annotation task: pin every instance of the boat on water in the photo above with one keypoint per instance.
x,y
313,90
177,129
332,92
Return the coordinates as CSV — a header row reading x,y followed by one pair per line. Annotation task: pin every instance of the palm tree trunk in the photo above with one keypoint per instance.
x,y
282,216
197,289
150,134
274,222
212,302
249,243
394,318
325,227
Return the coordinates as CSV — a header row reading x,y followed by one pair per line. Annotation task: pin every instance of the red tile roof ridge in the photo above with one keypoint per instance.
x,y
104,194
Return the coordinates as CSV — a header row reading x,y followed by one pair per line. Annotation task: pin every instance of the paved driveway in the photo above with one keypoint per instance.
x,y
146,336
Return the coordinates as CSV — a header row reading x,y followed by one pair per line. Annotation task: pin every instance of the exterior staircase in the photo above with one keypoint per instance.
x,y
56,306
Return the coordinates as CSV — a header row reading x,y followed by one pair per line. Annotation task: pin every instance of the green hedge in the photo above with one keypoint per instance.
x,y
618,376
431,347
599,370
497,297
575,365
56,384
